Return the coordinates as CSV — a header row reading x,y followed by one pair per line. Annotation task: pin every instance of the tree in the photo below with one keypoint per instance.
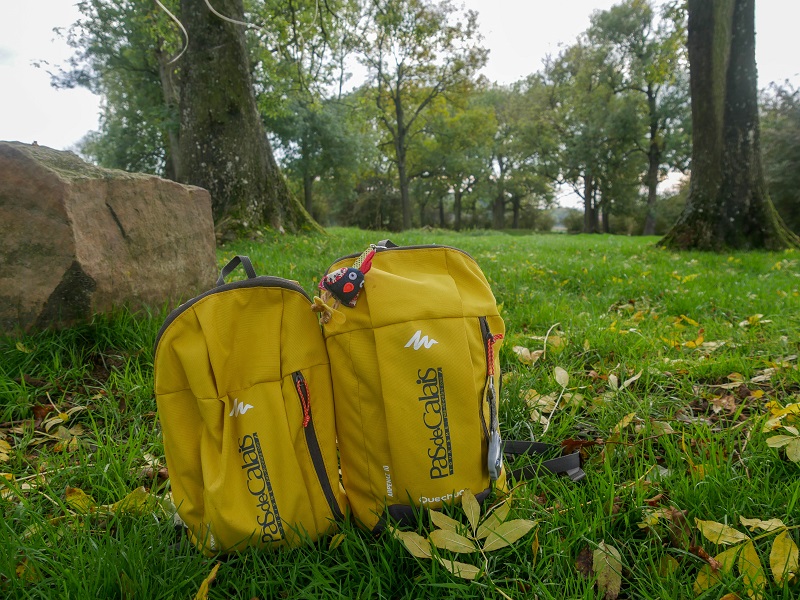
x,y
780,142
223,144
592,123
728,204
523,149
415,52
122,52
456,152
648,58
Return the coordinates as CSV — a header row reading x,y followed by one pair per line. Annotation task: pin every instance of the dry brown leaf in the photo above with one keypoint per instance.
x,y
535,549
583,563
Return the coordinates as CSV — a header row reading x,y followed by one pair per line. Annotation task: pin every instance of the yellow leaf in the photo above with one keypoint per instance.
x,y
752,571
138,502
5,451
336,541
450,540
490,523
691,322
202,593
793,450
507,533
22,348
626,420
719,533
416,544
607,565
526,356
778,441
784,559
460,569
627,382
442,521
753,524
708,577
471,508
79,500
730,596
667,566
535,548
561,376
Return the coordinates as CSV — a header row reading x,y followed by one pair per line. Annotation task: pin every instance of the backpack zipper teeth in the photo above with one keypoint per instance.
x,y
301,387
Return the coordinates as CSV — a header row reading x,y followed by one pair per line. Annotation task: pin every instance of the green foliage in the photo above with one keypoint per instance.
x,y
780,145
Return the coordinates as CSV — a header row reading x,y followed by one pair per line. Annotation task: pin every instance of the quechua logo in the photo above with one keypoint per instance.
x,y
260,488
434,417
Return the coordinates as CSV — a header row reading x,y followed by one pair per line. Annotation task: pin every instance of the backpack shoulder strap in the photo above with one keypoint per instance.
x,y
568,464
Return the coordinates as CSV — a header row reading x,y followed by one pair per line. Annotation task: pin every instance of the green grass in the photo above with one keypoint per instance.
x,y
614,307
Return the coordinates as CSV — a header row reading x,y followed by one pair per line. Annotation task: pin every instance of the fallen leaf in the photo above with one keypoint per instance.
x,y
561,376
719,533
752,571
459,569
525,356
667,566
584,562
202,593
5,451
138,502
710,576
450,540
607,565
416,544
336,541
442,521
507,533
471,508
491,522
535,548
79,500
784,559
753,524
623,424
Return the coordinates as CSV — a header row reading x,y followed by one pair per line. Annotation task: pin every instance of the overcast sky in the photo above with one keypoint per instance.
x,y
519,33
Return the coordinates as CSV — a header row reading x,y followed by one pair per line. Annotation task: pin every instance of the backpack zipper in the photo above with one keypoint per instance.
x,y
301,386
495,443
394,248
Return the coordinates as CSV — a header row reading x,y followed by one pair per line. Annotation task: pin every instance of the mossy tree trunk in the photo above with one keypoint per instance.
x,y
728,205
223,144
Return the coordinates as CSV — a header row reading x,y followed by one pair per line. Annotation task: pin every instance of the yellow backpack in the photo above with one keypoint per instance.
x,y
416,381
243,388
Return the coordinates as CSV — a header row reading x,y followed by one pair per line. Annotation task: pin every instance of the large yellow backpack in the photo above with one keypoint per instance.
x,y
416,379
243,387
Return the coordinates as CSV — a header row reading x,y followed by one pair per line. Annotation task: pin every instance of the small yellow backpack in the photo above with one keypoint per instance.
x,y
244,396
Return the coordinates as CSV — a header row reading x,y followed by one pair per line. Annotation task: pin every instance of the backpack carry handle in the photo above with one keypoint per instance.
x,y
568,464
235,262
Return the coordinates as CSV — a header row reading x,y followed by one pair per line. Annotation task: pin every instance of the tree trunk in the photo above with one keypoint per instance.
x,y
728,206
515,204
441,212
457,195
223,145
653,164
589,216
499,211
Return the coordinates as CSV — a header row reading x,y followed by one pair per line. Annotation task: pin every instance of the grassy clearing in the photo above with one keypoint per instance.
x,y
604,309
